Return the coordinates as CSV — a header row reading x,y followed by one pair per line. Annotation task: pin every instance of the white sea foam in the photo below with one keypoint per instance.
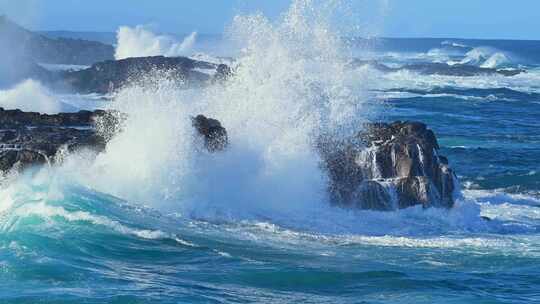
x,y
485,57
63,67
524,82
496,60
141,42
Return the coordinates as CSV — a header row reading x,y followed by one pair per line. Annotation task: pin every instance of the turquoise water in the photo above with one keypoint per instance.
x,y
92,248
222,232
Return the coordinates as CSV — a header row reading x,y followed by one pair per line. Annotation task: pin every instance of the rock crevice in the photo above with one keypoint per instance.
x,y
388,166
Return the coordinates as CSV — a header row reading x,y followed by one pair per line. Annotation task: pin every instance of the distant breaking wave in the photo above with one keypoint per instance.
x,y
485,57
30,95
141,42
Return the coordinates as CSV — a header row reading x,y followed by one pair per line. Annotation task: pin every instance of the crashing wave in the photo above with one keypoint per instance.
x,y
141,42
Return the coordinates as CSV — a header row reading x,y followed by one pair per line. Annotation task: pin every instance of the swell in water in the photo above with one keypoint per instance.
x,y
155,218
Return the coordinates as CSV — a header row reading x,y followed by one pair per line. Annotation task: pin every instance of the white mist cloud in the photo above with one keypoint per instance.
x,y
141,42
30,95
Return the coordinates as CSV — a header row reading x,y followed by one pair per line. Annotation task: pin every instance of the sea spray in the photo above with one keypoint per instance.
x,y
140,42
289,87
30,95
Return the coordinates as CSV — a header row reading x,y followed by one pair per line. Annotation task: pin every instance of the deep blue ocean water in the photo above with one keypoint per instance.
x,y
62,241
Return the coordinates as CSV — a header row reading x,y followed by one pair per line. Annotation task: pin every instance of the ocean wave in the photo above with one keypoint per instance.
x,y
527,83
31,95
486,57
53,197
474,94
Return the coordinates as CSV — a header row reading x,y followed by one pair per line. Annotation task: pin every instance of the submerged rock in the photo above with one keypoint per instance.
x,y
388,167
214,134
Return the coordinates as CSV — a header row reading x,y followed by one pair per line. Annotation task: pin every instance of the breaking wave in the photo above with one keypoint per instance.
x,y
30,95
289,86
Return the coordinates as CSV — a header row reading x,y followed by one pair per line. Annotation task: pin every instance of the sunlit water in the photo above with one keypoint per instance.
x,y
155,219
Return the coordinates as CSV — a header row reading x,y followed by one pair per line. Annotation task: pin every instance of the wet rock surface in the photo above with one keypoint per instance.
x,y
388,167
29,138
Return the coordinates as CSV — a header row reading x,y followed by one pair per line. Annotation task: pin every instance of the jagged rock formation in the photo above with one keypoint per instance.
x,y
29,138
388,167
434,68
108,76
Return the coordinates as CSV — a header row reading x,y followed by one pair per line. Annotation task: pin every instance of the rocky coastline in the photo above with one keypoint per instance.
x,y
385,166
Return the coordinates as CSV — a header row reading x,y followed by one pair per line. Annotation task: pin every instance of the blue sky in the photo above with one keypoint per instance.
x,y
519,19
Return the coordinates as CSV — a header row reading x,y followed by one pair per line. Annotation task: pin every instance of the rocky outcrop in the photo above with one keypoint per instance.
x,y
29,138
109,76
388,167
383,167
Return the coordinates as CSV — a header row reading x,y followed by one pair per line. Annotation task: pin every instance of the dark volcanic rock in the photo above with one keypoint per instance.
x,y
24,147
28,138
389,166
20,159
108,76
215,135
